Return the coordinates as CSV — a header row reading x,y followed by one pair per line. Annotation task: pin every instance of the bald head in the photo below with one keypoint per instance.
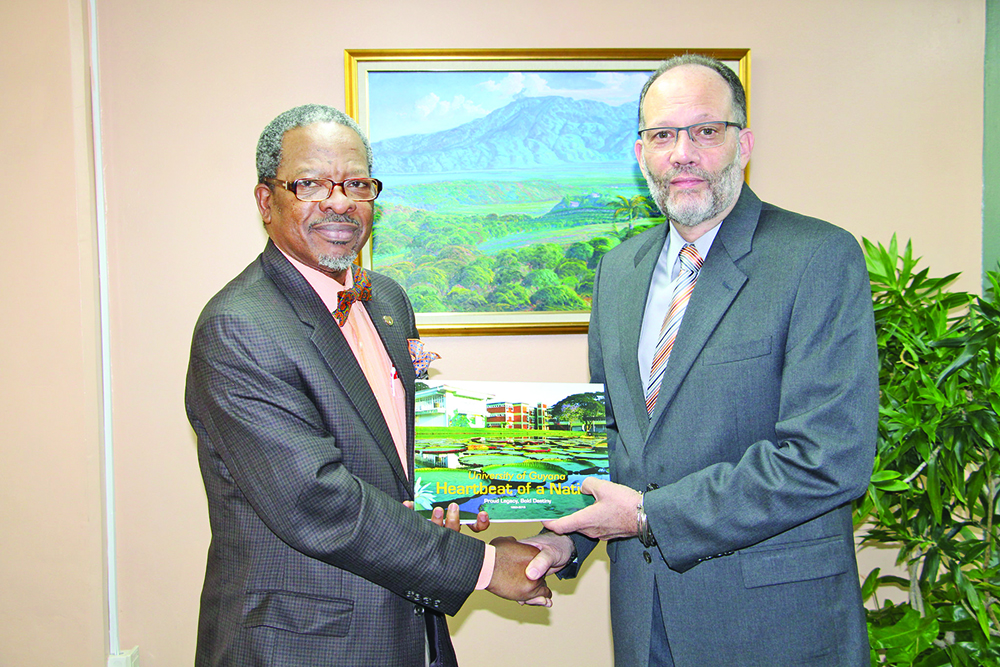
x,y
737,99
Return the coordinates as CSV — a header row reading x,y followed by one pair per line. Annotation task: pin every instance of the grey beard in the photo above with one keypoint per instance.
x,y
338,264
344,262
722,190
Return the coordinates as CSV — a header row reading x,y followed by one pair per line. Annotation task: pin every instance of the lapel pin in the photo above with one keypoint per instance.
x,y
387,319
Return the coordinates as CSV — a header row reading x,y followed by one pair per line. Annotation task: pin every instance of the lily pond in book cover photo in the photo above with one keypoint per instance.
x,y
518,450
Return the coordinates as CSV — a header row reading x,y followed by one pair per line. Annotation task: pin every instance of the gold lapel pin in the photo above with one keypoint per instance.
x,y
387,319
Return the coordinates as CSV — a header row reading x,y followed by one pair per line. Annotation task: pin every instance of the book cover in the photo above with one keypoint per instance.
x,y
518,450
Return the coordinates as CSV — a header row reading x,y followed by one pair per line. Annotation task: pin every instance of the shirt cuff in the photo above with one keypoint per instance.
x,y
489,561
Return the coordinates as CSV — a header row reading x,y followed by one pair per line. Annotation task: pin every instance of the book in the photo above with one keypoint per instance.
x,y
518,450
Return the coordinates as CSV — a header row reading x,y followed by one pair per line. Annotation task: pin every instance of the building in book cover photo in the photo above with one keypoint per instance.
x,y
518,450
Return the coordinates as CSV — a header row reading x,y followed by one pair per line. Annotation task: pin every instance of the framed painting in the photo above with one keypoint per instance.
x,y
508,174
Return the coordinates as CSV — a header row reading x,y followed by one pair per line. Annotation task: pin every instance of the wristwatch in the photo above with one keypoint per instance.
x,y
642,524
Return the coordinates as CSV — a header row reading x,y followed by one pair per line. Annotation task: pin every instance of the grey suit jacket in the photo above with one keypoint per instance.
x,y
763,433
314,560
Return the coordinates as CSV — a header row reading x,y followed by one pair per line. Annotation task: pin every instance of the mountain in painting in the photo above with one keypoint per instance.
x,y
528,132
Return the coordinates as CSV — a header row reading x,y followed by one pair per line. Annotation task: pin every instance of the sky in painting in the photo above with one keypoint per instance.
x,y
404,103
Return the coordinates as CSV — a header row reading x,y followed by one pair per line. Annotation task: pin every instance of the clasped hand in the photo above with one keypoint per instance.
x,y
612,515
521,567
510,578
512,557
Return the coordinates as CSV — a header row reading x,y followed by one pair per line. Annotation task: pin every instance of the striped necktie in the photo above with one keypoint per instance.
x,y
683,286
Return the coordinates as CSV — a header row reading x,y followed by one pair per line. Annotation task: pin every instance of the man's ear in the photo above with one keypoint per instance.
x,y
638,157
746,146
262,193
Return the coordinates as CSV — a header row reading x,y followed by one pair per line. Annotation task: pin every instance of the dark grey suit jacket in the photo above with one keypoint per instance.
x,y
763,433
314,560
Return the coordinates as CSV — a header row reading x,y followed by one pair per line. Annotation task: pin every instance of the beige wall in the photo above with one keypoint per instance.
x,y
52,601
849,99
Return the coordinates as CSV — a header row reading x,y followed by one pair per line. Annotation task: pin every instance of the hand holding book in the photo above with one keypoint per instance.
x,y
612,516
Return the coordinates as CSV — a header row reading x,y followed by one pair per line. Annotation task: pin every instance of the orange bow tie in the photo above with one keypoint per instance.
x,y
361,291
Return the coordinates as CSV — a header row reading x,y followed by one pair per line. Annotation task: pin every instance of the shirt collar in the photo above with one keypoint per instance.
x,y
672,248
325,286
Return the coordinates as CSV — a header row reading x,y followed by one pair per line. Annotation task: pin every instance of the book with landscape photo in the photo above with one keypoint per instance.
x,y
518,450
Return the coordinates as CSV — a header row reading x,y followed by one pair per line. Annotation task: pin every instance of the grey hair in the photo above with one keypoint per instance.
x,y
728,75
269,144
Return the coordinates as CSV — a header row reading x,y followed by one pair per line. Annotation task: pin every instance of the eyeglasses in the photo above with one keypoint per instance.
x,y
702,135
319,189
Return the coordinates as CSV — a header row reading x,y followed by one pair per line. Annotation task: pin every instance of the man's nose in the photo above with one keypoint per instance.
x,y
338,201
684,150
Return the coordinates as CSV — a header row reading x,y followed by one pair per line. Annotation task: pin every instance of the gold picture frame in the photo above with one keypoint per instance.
x,y
394,96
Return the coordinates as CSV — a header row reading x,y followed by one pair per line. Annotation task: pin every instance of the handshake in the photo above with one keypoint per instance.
x,y
520,567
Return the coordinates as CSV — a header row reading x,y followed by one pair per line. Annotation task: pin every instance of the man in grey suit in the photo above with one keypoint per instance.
x,y
300,390
737,348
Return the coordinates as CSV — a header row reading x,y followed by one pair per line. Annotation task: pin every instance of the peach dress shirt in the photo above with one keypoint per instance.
x,y
382,377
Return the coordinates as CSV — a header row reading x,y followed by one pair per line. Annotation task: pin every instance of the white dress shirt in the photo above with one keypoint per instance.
x,y
661,290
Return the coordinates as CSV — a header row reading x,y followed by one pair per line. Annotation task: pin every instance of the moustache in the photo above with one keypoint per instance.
x,y
689,171
335,217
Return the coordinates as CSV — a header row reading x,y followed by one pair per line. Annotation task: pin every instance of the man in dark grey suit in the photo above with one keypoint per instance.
x,y
738,351
300,390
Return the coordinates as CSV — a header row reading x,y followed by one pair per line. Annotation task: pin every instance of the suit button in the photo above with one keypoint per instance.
x,y
647,557
418,610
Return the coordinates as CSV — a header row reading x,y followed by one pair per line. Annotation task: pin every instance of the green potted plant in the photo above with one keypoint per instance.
x,y
934,490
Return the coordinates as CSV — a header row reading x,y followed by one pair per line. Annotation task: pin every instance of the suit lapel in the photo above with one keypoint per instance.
x,y
334,349
393,335
718,284
629,310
